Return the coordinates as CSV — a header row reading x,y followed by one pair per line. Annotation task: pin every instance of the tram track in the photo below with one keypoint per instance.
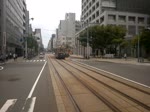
x,y
75,105
98,72
99,96
69,66
110,105
114,89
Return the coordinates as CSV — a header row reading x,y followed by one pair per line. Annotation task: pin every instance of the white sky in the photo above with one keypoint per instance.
x,y
48,13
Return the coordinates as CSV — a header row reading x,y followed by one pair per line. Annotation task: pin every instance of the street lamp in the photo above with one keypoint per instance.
x,y
26,44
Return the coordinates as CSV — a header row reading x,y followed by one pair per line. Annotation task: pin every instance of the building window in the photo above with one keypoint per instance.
x,y
97,4
93,8
122,18
93,16
93,1
102,19
97,21
97,13
131,19
112,17
141,20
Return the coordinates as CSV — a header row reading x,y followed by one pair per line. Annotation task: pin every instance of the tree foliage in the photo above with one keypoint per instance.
x,y
32,43
103,37
145,40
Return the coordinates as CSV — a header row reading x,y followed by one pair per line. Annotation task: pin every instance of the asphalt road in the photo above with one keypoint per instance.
x,y
20,91
137,73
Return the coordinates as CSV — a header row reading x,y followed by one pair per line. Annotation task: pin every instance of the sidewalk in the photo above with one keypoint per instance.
x,y
19,59
115,60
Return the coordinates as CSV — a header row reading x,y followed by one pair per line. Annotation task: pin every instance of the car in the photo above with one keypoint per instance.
x,y
41,55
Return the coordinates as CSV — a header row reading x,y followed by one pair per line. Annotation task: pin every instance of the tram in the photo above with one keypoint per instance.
x,y
60,53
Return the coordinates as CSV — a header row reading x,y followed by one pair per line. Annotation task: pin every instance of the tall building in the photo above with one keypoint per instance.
x,y
38,37
67,29
92,9
133,15
12,26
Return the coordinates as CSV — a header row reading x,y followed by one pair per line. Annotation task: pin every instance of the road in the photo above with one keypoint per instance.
x,y
26,86
137,73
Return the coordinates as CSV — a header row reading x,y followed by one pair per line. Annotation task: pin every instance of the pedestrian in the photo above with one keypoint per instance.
x,y
125,56
14,56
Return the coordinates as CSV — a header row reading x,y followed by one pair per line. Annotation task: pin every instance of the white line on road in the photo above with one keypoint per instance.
x,y
33,88
9,103
1,68
32,104
117,76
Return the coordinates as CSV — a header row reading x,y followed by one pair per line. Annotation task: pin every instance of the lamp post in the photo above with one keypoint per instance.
x,y
138,48
26,43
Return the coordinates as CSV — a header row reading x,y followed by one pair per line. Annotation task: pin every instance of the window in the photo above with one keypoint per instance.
x,y
97,13
131,19
93,16
97,4
141,20
122,18
112,17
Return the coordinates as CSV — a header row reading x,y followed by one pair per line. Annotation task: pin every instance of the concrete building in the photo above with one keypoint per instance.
x,y
12,26
66,30
133,15
38,36
92,9
52,43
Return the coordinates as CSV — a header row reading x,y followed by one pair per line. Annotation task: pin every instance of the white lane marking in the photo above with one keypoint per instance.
x,y
31,109
34,60
33,88
8,104
1,68
117,76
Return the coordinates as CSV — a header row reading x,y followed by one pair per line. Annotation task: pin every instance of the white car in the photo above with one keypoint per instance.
x,y
41,55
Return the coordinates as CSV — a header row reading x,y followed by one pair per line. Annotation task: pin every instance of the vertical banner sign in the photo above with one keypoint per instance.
x,y
4,39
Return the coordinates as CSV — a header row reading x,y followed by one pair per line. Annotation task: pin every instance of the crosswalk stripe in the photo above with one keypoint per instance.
x,y
29,105
9,104
35,61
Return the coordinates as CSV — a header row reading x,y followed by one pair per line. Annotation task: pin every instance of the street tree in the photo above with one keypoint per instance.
x,y
104,38
145,41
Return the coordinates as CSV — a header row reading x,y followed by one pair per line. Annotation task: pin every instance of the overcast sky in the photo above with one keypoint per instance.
x,y
48,13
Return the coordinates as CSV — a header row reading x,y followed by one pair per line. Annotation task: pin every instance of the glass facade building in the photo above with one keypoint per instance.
x,y
12,26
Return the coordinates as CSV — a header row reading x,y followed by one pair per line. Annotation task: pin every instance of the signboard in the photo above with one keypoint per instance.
x,y
4,39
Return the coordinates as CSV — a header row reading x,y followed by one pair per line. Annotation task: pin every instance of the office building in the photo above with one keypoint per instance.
x,y
133,15
38,37
12,26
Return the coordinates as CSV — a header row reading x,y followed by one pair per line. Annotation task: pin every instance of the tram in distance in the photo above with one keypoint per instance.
x,y
61,53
